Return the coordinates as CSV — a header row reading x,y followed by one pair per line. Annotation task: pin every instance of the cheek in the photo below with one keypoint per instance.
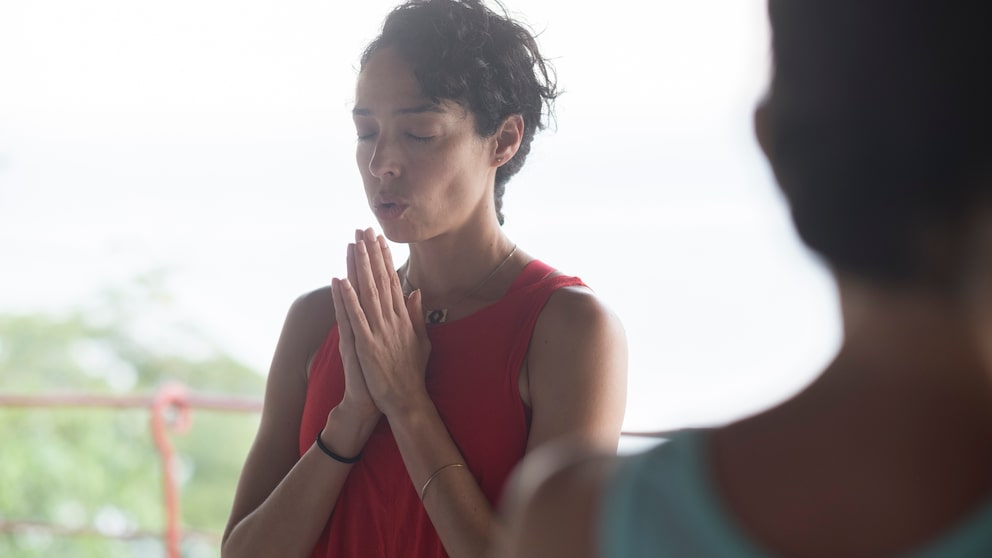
x,y
363,154
439,169
464,163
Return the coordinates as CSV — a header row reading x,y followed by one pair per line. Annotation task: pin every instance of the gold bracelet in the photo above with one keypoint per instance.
x,y
431,478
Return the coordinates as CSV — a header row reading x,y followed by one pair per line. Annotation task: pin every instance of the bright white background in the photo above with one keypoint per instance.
x,y
213,139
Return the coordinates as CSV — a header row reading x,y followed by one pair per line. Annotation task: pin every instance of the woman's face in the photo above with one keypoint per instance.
x,y
426,171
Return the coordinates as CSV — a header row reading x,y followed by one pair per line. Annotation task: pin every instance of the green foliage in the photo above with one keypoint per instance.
x,y
98,469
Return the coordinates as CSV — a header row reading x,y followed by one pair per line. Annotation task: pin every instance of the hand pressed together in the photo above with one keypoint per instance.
x,y
384,343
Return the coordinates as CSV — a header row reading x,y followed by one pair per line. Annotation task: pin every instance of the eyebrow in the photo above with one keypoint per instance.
x,y
419,109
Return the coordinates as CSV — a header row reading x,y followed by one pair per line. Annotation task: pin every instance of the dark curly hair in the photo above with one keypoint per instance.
x,y
880,129
462,51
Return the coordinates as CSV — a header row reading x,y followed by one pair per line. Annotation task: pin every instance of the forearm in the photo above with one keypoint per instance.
x,y
290,520
460,512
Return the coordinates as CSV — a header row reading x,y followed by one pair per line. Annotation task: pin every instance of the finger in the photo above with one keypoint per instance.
x,y
352,275
415,309
354,379
352,270
367,293
399,303
379,271
359,324
345,335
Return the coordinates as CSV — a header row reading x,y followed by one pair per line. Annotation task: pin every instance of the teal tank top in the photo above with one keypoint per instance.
x,y
662,503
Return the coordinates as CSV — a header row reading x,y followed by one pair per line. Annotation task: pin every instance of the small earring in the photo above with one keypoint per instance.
x,y
499,159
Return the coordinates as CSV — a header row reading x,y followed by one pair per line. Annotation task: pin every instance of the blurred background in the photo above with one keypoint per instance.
x,y
173,175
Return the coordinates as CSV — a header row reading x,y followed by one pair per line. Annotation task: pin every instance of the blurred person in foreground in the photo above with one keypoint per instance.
x,y
399,400
878,126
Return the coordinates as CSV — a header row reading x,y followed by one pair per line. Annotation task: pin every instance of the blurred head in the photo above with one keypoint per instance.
x,y
461,51
879,129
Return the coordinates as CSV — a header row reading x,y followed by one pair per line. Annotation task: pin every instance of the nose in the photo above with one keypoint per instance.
x,y
384,161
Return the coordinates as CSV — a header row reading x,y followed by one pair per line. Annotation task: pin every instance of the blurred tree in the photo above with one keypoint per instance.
x,y
98,469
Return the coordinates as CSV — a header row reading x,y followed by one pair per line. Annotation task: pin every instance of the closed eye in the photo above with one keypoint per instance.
x,y
422,139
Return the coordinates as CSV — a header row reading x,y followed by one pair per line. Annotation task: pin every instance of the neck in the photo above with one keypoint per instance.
x,y
905,347
910,326
450,266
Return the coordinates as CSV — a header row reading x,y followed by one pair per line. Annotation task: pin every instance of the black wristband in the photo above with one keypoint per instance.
x,y
334,456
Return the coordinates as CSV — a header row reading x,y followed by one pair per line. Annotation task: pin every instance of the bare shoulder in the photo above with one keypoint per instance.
x,y
311,316
553,504
575,323
275,449
575,374
307,324
309,319
578,308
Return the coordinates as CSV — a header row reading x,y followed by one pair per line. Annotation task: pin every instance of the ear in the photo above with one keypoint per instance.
x,y
762,128
507,139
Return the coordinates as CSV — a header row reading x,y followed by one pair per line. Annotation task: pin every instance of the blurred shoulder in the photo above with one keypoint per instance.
x,y
554,499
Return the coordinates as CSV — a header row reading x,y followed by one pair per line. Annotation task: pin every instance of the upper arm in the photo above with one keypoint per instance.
x,y
577,371
276,446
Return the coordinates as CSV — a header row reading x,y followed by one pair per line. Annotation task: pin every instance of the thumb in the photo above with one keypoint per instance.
x,y
415,307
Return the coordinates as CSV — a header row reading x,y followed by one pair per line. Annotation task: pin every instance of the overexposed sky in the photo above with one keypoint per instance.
x,y
213,139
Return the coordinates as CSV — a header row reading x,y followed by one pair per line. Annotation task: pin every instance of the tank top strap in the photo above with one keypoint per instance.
x,y
537,275
535,285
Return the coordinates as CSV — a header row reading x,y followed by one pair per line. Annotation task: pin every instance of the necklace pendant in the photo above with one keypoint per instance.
x,y
435,317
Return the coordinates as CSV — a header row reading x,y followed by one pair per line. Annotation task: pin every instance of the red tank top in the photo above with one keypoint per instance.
x,y
472,376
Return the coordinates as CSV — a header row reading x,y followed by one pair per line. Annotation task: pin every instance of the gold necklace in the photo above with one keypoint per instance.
x,y
440,315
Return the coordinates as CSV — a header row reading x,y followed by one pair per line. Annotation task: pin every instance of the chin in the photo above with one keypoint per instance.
x,y
396,232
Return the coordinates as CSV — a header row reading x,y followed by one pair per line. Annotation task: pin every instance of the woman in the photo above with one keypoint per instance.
x,y
877,126
399,401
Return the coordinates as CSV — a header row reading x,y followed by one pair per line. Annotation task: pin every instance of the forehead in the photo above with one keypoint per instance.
x,y
387,82
387,86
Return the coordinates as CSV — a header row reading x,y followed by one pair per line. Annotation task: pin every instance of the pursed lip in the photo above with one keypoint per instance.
x,y
388,199
388,206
